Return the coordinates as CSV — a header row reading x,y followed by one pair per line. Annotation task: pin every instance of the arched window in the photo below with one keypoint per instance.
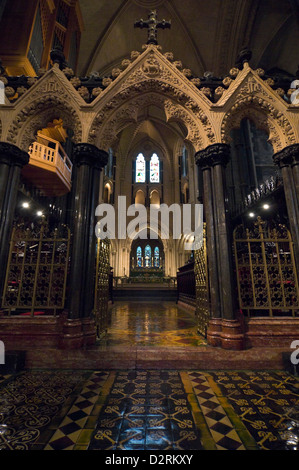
x,y
155,197
155,169
139,257
140,169
140,197
147,256
156,257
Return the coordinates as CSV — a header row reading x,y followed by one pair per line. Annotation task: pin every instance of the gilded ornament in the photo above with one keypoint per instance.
x,y
260,72
75,81
187,72
97,91
219,91
227,81
207,91
196,81
280,91
135,54
31,80
178,64
68,72
21,90
270,81
9,91
115,72
106,81
169,56
125,63
234,72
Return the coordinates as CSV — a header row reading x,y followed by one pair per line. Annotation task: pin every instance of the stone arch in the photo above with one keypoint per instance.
x,y
139,197
37,114
155,197
265,116
125,105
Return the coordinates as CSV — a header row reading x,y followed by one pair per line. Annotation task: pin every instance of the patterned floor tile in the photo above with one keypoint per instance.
x,y
221,428
267,403
29,403
156,414
149,410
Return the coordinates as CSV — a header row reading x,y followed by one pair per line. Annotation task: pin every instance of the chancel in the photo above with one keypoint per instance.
x,y
135,337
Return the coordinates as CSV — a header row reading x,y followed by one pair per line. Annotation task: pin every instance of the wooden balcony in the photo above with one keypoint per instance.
x,y
49,168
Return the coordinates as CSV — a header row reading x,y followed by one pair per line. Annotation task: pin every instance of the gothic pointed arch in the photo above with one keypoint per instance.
x,y
248,96
152,80
37,114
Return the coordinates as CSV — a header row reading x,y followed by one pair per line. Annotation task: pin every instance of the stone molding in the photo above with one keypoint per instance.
x,y
12,155
90,155
289,156
216,154
151,77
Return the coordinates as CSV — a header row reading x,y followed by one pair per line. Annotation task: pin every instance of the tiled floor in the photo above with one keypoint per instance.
x,y
142,408
152,324
151,410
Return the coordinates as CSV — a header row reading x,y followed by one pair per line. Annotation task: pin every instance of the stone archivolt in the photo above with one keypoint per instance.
x,y
151,78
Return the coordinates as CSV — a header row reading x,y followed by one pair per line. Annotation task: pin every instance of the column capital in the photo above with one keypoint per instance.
x,y
11,155
215,154
90,155
288,156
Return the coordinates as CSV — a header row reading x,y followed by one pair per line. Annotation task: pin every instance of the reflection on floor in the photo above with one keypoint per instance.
x,y
153,324
149,409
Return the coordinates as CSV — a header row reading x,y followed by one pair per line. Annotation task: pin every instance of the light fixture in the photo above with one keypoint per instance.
x,y
251,214
25,205
266,206
39,213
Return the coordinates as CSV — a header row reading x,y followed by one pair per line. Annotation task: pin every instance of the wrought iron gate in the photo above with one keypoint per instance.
x,y
37,270
266,271
201,286
102,286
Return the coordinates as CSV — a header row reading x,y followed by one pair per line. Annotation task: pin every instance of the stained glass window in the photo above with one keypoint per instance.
x,y
148,256
140,169
139,257
156,257
155,169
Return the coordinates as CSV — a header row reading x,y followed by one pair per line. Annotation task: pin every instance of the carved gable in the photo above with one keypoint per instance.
x,y
150,68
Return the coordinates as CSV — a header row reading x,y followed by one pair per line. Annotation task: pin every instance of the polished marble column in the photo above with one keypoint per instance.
x,y
227,332
215,321
89,161
288,162
12,160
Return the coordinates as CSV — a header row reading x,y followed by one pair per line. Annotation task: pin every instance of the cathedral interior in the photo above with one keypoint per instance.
x,y
120,332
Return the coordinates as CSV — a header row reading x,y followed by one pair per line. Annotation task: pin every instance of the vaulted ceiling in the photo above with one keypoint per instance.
x,y
204,35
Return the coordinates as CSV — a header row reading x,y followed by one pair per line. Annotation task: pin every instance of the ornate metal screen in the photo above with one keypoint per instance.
x,y
37,270
201,285
266,273
102,286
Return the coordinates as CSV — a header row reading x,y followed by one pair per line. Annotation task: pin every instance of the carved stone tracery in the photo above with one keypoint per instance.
x,y
151,78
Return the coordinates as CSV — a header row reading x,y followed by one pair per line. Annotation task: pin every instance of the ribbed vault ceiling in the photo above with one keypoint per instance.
x,y
204,35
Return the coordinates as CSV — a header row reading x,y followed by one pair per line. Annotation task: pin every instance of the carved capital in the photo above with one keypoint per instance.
x,y
90,155
216,154
11,155
287,157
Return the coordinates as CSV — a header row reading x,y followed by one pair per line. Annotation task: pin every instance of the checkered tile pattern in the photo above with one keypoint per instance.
x,y
75,429
220,426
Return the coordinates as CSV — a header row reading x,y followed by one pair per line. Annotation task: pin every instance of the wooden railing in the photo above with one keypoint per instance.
x,y
51,156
